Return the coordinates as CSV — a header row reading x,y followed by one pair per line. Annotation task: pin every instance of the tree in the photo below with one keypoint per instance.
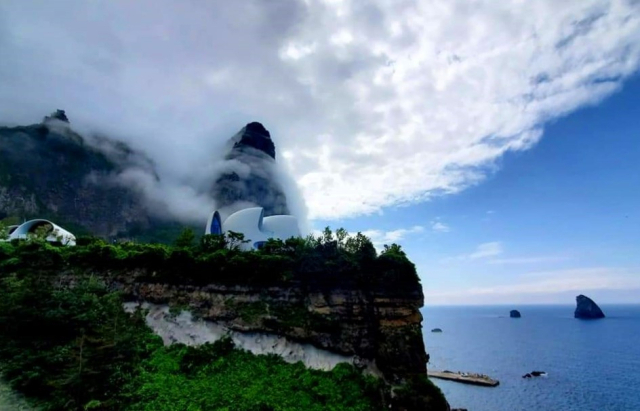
x,y
393,249
235,240
341,235
327,235
212,242
186,238
4,231
41,233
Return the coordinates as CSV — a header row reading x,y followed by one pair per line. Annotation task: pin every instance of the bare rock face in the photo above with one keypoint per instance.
x,y
381,326
514,314
587,309
255,135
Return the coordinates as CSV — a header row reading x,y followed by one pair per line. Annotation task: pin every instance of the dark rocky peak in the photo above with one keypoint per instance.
x,y
255,135
59,115
514,314
587,309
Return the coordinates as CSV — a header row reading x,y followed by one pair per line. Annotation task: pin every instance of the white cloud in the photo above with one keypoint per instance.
x,y
529,260
485,250
440,227
380,102
541,286
379,237
482,252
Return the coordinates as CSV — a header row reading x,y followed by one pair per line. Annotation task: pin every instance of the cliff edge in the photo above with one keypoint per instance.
x,y
338,297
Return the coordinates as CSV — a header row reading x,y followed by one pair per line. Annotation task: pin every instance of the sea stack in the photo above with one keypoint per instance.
x,y
514,314
586,309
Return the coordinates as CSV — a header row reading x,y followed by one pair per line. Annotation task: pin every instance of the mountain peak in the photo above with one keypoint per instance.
x,y
59,115
257,136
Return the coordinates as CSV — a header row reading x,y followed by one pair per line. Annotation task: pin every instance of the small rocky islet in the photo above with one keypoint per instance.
x,y
587,309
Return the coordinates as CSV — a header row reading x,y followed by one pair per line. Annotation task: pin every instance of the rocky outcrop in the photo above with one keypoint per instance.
x,y
587,309
436,330
59,115
248,176
255,135
514,314
534,374
382,327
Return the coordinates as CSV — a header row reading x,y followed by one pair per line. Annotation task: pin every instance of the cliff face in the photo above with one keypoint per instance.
x,y
379,327
49,171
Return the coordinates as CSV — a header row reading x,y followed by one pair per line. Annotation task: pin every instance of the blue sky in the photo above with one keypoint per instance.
x,y
559,219
413,121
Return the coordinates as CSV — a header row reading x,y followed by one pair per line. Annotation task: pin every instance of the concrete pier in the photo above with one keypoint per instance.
x,y
465,378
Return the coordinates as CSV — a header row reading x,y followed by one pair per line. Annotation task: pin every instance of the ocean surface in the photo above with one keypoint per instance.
x,y
591,365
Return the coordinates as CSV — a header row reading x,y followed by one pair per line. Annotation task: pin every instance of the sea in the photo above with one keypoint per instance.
x,y
591,365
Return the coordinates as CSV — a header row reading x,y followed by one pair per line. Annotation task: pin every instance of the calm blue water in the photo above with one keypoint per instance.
x,y
591,365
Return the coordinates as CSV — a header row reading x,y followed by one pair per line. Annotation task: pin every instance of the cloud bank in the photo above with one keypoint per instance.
x,y
556,286
371,104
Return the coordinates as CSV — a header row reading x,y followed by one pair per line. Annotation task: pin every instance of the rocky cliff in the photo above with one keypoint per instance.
x,y
337,296
47,170
379,328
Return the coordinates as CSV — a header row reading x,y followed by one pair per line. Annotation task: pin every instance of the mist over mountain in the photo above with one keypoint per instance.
x,y
92,183
248,176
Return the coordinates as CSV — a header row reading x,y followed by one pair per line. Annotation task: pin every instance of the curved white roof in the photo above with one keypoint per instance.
x,y
257,228
286,226
58,233
243,221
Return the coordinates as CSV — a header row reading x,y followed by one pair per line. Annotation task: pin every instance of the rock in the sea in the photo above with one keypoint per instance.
x,y
436,330
534,374
587,309
514,314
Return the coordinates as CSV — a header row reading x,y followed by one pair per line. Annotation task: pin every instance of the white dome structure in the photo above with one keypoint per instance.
x,y
54,233
255,226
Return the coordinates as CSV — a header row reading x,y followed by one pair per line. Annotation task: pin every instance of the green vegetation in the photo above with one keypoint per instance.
x,y
217,376
4,231
324,261
75,348
67,343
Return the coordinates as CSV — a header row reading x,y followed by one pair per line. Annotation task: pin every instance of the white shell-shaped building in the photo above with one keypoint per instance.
x,y
255,226
55,233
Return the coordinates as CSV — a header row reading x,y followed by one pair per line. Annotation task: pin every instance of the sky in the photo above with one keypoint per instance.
x,y
497,142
